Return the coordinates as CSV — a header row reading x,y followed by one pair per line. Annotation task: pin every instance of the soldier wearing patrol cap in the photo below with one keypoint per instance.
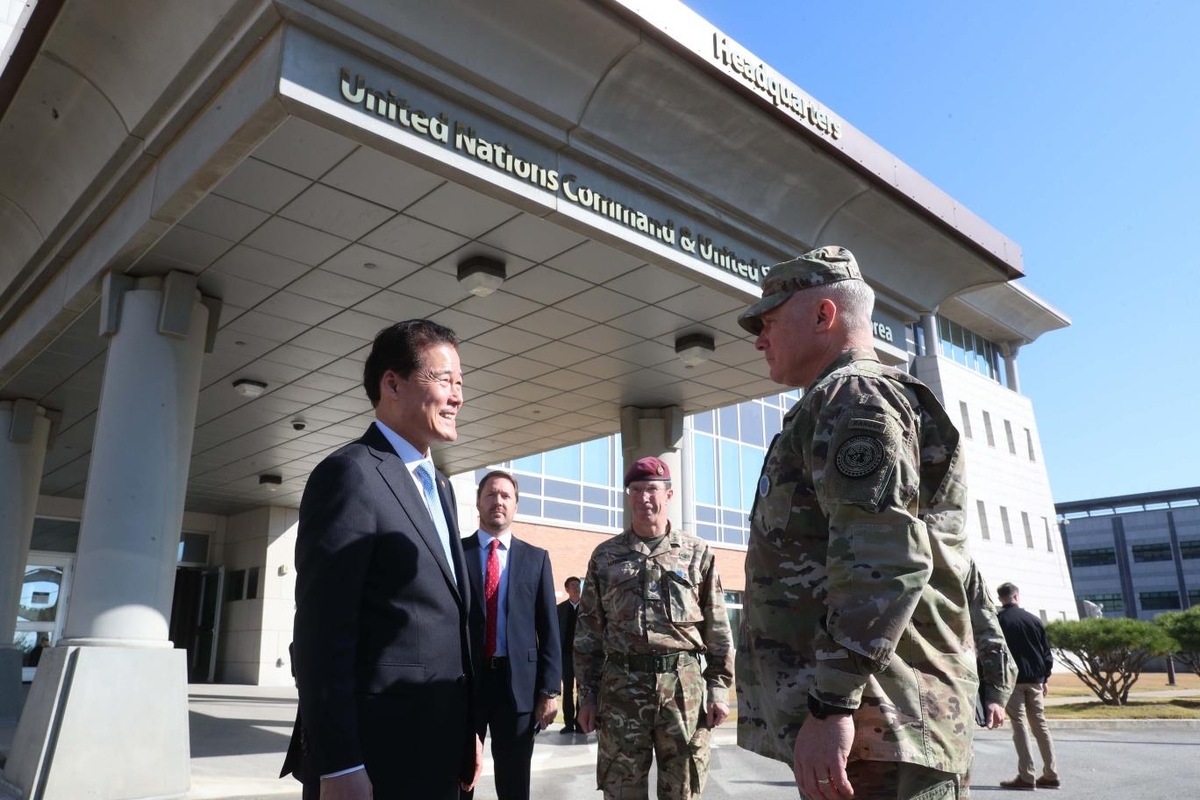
x,y
858,658
652,605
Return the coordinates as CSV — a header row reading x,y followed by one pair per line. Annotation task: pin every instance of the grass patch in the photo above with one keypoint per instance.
x,y
1065,683
1177,708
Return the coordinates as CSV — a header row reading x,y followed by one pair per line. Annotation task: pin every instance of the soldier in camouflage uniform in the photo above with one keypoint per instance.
x,y
858,662
652,605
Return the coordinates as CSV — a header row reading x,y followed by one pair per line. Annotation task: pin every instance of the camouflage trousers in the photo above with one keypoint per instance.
x,y
644,714
896,780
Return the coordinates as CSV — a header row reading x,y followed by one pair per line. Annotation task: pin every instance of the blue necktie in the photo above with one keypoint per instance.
x,y
434,504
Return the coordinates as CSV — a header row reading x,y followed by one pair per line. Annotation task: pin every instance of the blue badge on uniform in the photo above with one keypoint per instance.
x,y
764,485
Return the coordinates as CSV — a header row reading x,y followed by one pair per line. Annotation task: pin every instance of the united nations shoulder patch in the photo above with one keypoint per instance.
x,y
764,485
859,456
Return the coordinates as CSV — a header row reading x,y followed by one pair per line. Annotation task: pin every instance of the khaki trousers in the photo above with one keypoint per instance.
x,y
1026,711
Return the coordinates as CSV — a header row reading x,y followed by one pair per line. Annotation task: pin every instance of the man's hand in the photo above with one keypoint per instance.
x,y
466,787
995,715
717,712
351,786
1045,689
819,762
587,718
544,710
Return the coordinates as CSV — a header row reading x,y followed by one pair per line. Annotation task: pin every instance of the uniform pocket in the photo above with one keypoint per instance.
x,y
683,598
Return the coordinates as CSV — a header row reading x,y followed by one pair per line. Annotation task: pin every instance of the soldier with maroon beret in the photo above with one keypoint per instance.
x,y
652,605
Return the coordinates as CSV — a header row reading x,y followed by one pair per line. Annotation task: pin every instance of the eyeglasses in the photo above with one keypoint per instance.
x,y
652,489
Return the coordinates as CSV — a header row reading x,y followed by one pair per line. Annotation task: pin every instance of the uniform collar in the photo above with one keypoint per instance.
x,y
851,355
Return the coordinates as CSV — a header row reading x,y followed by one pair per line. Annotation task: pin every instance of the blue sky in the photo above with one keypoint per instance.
x,y
1074,129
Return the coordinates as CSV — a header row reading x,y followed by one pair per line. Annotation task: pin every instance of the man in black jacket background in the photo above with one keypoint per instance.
x,y
1026,638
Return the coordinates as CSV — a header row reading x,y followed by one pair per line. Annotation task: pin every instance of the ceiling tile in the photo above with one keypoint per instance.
x,y
261,185
464,325
301,394
355,323
701,303
510,341
603,339
605,367
552,323
298,308
600,304
331,342
223,217
326,383
559,354
191,246
345,368
477,356
728,378
369,265
727,324
382,179
532,237
481,381
265,326
545,285
235,291
650,322
260,267
331,288
395,306
293,356
736,352
413,239
650,284
461,210
432,285
295,241
499,307
520,367
595,262
565,379
301,147
646,354
336,212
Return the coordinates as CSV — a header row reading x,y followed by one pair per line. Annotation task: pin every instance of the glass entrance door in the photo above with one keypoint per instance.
x,y
42,610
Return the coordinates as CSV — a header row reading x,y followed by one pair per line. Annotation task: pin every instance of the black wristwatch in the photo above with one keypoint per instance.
x,y
824,711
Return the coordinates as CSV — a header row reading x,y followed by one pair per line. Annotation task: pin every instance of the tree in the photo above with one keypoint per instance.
x,y
1108,655
1184,628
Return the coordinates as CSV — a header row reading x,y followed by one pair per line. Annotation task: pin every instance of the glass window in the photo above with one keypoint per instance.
x,y
1029,444
1028,530
752,423
983,523
564,463
1109,603
708,532
706,514
1094,557
1012,445
562,512
703,422
597,497
1159,601
1049,535
1190,548
987,429
966,419
733,519
595,462
705,468
1004,524
39,594
252,577
235,585
735,535
596,516
751,467
731,483
531,464
1159,551
561,490
193,548
727,422
530,506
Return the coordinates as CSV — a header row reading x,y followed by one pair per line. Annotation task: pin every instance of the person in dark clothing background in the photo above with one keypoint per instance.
x,y
568,611
1026,638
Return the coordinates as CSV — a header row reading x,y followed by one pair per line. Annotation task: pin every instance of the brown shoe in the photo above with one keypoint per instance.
x,y
1048,783
1018,783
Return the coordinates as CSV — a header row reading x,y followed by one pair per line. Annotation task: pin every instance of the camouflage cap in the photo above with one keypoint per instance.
x,y
818,267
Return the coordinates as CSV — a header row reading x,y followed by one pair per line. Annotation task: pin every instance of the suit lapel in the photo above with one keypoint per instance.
x,y
400,481
474,570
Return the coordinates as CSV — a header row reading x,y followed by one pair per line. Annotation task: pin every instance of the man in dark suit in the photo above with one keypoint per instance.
x,y
568,612
382,650
514,634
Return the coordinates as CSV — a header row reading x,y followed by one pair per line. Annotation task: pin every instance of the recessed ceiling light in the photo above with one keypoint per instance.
x,y
270,482
248,387
481,275
694,349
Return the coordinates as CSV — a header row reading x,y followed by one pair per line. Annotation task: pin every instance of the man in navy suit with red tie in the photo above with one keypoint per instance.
x,y
514,634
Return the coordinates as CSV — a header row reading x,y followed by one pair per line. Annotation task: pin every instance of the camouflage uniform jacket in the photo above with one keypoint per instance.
x,y
857,571
997,667
642,601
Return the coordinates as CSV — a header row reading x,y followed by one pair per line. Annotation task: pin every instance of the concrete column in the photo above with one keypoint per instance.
x,y
115,671
1009,351
24,431
656,432
930,327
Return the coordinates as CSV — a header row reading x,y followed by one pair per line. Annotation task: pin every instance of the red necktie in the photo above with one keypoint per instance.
x,y
491,595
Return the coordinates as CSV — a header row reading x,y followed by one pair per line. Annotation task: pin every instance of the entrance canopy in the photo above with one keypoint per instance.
x,y
327,169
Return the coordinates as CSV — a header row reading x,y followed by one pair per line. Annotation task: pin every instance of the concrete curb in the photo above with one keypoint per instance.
x,y
1158,724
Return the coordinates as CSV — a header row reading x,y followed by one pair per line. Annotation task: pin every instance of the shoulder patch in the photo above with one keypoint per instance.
x,y
859,456
867,424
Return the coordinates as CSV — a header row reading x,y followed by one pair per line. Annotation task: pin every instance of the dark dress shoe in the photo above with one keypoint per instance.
x,y
1018,783
567,729
1048,783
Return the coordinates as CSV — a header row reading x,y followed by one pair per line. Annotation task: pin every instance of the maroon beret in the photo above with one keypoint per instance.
x,y
647,469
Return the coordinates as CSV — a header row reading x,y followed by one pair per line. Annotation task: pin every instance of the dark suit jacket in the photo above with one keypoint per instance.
x,y
567,616
382,651
531,625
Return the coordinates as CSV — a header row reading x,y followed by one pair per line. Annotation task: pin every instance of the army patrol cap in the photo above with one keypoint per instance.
x,y
819,267
647,469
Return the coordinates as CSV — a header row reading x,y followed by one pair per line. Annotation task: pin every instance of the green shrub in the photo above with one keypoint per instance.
x,y
1184,628
1108,655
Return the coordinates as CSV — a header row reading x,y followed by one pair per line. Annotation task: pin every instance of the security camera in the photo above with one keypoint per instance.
x,y
299,424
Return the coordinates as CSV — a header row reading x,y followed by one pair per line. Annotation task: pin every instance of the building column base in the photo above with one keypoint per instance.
x,y
10,684
106,722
